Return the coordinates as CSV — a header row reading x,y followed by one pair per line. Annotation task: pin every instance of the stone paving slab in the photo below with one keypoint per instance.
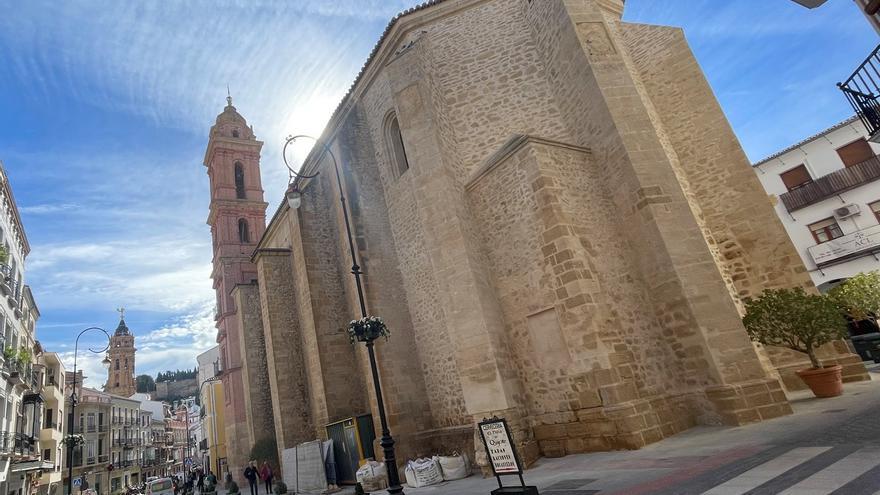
x,y
770,457
762,458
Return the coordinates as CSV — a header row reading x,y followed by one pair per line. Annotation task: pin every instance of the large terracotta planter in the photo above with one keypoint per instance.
x,y
824,382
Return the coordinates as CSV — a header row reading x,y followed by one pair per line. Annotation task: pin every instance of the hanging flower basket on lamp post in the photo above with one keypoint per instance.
x,y
73,440
367,329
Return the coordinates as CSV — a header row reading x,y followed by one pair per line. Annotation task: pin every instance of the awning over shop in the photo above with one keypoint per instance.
x,y
20,467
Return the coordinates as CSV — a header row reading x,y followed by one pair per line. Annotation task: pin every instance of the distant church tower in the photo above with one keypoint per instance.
x,y
120,378
237,217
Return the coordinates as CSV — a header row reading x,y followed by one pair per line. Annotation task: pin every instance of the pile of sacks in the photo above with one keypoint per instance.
x,y
425,471
373,476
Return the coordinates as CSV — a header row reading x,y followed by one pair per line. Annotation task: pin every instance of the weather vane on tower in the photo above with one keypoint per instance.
x,y
121,312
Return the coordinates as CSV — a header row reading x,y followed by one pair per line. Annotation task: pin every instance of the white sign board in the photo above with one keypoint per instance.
x,y
499,447
863,240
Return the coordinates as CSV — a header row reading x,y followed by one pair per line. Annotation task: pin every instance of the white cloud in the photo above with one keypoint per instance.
x,y
46,208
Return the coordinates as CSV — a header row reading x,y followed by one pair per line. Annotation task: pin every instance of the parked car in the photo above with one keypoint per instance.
x,y
161,486
865,338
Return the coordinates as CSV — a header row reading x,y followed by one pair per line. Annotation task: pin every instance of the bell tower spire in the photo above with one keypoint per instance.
x,y
237,216
120,378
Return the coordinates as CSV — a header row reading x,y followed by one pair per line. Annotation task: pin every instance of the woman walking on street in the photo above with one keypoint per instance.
x,y
266,475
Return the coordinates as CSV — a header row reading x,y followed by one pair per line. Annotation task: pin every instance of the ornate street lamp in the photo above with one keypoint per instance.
x,y
294,199
74,400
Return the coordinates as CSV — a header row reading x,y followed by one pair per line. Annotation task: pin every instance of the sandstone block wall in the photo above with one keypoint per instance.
x,y
286,377
749,243
337,385
257,396
556,252
177,388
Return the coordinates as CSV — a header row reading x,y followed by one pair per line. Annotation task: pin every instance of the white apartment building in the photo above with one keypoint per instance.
x,y
21,405
126,452
826,192
52,428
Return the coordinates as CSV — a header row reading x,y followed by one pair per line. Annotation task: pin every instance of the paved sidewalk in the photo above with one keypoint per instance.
x,y
827,446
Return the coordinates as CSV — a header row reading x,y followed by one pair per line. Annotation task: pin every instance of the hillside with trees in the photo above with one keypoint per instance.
x,y
173,376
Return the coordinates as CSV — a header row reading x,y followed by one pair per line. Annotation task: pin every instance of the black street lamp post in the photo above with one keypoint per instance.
x,y
294,198
74,400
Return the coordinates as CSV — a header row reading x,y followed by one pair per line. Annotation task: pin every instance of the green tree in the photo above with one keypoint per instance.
x,y
859,296
145,384
794,319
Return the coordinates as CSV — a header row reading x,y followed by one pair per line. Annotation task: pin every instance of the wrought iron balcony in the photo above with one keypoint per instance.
x,y
862,90
18,444
834,183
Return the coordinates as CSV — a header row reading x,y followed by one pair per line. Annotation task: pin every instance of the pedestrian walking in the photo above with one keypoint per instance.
x,y
201,481
251,474
266,475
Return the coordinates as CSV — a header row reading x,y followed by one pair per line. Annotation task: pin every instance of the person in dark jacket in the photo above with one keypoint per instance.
x,y
251,474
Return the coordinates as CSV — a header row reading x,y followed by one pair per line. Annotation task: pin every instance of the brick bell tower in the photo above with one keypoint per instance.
x,y
120,378
237,218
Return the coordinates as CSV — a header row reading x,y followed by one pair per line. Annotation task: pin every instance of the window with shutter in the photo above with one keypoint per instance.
x,y
875,207
855,152
825,230
796,177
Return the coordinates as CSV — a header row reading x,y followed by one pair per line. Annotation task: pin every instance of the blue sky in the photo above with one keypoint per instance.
x,y
105,108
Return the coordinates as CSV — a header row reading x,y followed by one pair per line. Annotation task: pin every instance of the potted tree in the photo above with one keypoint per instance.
x,y
801,322
859,299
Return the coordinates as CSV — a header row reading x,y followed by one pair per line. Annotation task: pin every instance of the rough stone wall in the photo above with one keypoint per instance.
x,y
570,307
429,321
337,383
177,388
752,242
752,247
283,350
255,375
474,321
608,115
407,404
574,289
489,79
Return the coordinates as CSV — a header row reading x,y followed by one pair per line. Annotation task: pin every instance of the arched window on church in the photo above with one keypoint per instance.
x,y
235,133
244,236
239,181
394,141
117,364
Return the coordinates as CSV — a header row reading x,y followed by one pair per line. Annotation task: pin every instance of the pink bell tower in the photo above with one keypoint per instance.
x,y
238,219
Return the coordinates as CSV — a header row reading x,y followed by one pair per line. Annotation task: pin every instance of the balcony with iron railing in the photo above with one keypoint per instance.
x,y
18,444
832,184
862,90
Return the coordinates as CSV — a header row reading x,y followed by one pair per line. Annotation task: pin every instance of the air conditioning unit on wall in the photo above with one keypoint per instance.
x,y
846,211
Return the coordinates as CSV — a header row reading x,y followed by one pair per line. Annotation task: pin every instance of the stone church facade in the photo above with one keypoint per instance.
x,y
558,225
